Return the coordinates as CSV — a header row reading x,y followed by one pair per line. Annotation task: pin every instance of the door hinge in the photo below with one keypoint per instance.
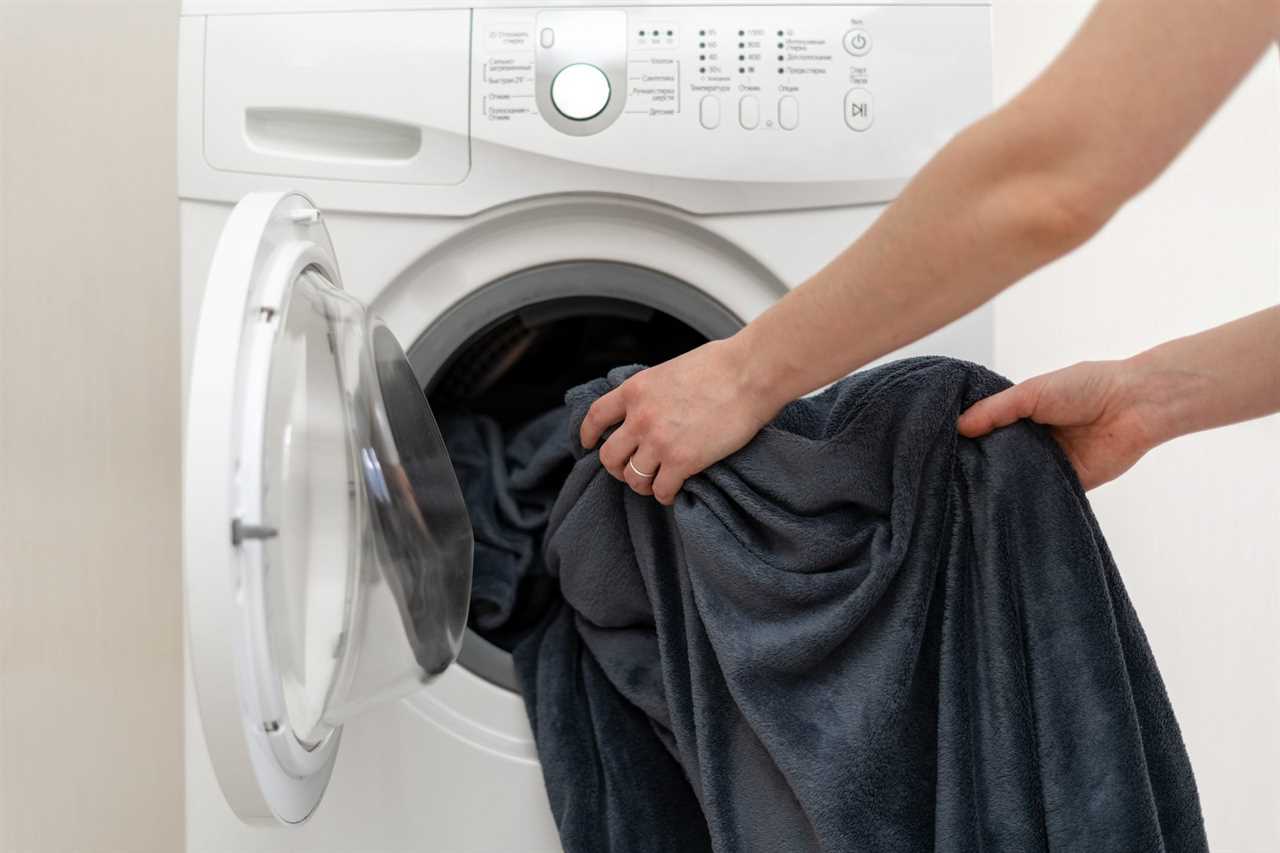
x,y
241,531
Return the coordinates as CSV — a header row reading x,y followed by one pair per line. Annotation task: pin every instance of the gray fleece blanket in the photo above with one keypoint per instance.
x,y
861,632
510,479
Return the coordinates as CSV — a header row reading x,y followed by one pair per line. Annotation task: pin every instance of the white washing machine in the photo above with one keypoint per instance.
x,y
623,181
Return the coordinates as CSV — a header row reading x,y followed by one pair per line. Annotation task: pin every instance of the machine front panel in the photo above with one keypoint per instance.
x,y
711,109
760,94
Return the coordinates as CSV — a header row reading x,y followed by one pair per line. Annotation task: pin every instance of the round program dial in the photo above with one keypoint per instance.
x,y
580,91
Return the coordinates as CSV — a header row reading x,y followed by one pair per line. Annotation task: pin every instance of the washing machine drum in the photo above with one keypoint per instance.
x,y
500,361
327,548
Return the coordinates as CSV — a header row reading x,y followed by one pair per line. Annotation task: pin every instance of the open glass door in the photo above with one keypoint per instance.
x,y
327,548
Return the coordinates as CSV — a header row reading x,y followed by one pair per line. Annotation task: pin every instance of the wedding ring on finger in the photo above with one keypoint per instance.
x,y
632,465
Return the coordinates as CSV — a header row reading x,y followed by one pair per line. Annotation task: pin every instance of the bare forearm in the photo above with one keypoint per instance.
x,y
972,222
1006,196
1222,376
1016,190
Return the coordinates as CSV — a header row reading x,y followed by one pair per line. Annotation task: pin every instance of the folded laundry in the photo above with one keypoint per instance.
x,y
861,632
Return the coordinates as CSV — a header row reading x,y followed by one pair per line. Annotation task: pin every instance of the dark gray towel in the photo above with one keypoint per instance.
x,y
861,632
510,479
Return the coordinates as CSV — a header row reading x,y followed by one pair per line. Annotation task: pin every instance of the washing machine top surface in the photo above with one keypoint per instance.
x,y
216,7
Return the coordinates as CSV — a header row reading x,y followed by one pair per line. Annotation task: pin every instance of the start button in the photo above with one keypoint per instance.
x,y
858,109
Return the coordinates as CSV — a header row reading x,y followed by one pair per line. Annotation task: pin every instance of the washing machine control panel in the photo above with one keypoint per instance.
x,y
580,68
780,93
450,111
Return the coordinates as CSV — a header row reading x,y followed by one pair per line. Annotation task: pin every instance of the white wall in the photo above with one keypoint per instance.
x,y
90,607
1195,527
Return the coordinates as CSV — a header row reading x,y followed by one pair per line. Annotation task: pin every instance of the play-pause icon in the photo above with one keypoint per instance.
x,y
859,109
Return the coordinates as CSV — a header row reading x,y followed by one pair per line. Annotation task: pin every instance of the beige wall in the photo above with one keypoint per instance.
x,y
90,610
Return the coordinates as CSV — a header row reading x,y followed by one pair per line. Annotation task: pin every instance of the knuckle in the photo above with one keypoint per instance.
x,y
608,457
666,492
640,419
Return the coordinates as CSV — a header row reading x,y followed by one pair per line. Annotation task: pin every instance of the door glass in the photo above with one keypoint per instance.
x,y
366,582
427,535
311,501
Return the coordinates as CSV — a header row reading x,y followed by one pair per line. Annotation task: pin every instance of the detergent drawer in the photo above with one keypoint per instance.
x,y
339,96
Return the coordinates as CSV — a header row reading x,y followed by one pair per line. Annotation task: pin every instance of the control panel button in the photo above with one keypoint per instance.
x,y
709,112
749,112
547,38
788,112
580,91
857,42
859,109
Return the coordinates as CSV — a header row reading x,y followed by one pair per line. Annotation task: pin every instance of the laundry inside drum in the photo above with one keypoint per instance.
x,y
499,400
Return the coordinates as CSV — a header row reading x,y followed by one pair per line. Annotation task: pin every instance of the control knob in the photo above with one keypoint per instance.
x,y
580,91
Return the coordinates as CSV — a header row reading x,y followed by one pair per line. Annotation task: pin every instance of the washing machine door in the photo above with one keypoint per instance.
x,y
327,548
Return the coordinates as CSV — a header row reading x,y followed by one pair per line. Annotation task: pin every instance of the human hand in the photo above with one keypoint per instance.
x,y
678,417
1099,411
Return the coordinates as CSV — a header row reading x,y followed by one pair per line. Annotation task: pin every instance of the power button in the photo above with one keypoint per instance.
x,y
857,42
